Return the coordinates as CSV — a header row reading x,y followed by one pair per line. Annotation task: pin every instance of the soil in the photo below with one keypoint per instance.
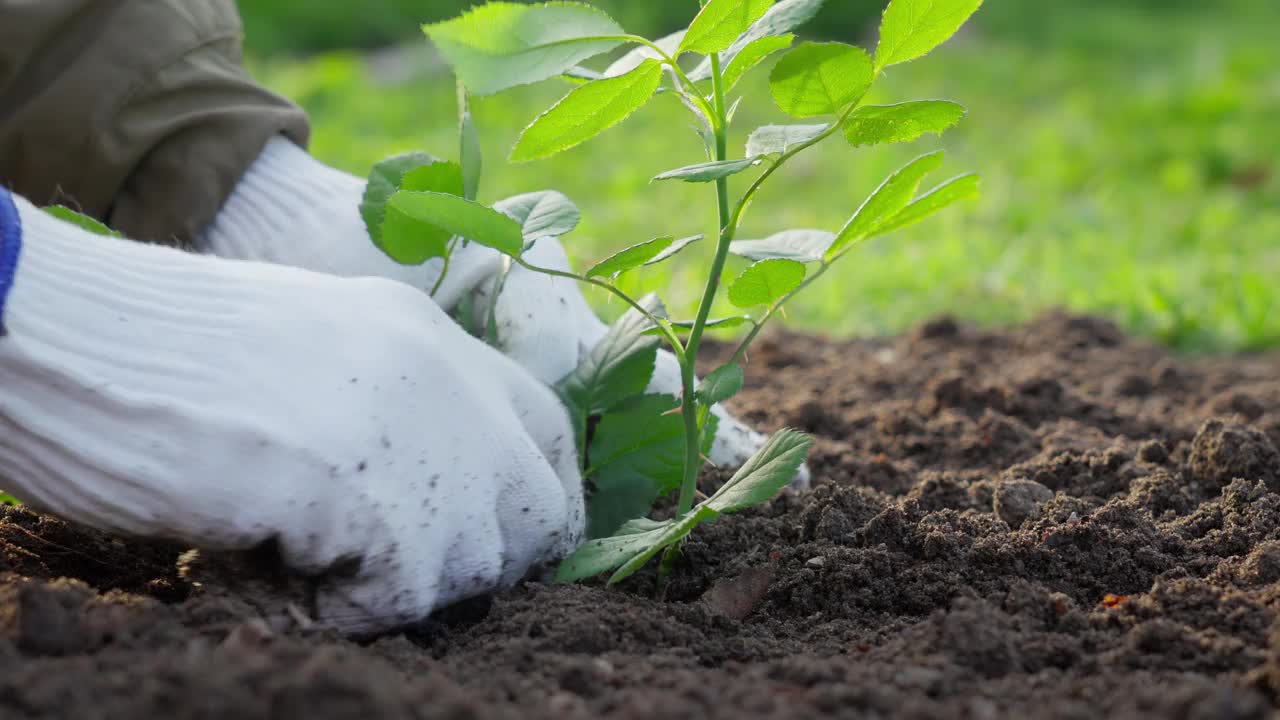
x,y
1049,521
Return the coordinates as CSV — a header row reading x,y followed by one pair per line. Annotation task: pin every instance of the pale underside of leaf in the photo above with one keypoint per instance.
x,y
806,246
708,171
777,139
500,45
546,213
640,53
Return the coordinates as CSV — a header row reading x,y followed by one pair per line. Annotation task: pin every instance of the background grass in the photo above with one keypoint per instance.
x,y
1129,151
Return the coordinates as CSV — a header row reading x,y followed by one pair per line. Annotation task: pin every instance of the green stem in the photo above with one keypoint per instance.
x,y
444,269
689,398
746,198
491,321
741,352
672,339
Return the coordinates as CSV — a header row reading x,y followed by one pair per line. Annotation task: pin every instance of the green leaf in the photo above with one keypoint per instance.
x,y
723,383
636,456
674,249
384,181
605,554
777,139
618,367
80,220
904,122
754,54
462,217
766,282
404,238
640,53
780,20
441,177
708,171
411,241
765,474
948,193
635,544
728,323
911,28
630,258
820,78
887,201
588,111
541,214
503,44
674,534
720,22
805,246
470,155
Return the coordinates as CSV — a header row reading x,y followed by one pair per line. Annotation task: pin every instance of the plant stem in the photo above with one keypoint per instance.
x,y
677,347
689,399
444,269
746,198
764,319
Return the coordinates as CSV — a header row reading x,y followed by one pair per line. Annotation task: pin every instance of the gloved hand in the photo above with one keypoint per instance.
x,y
153,392
294,210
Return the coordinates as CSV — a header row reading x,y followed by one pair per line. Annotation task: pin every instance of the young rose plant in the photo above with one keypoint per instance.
x,y
636,448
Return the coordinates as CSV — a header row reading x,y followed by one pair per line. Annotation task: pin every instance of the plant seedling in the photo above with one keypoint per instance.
x,y
647,446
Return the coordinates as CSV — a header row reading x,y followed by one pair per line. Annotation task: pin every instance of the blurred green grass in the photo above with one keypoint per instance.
x,y
1128,150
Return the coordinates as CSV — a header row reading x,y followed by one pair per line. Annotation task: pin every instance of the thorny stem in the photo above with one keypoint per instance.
x,y
689,399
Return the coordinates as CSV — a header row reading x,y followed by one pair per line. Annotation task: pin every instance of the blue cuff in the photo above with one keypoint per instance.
x,y
10,247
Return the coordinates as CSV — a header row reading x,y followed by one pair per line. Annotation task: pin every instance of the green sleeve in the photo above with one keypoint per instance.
x,y
137,112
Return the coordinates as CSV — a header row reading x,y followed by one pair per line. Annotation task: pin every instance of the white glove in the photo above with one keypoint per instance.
x,y
294,210
148,391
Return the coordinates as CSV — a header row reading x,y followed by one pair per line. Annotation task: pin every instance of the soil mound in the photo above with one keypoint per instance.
x,y
1047,521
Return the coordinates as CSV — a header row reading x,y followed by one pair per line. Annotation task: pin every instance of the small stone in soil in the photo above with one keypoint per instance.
x,y
1017,501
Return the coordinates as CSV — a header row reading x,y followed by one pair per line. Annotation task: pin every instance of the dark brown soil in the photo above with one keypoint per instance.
x,y
1051,521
